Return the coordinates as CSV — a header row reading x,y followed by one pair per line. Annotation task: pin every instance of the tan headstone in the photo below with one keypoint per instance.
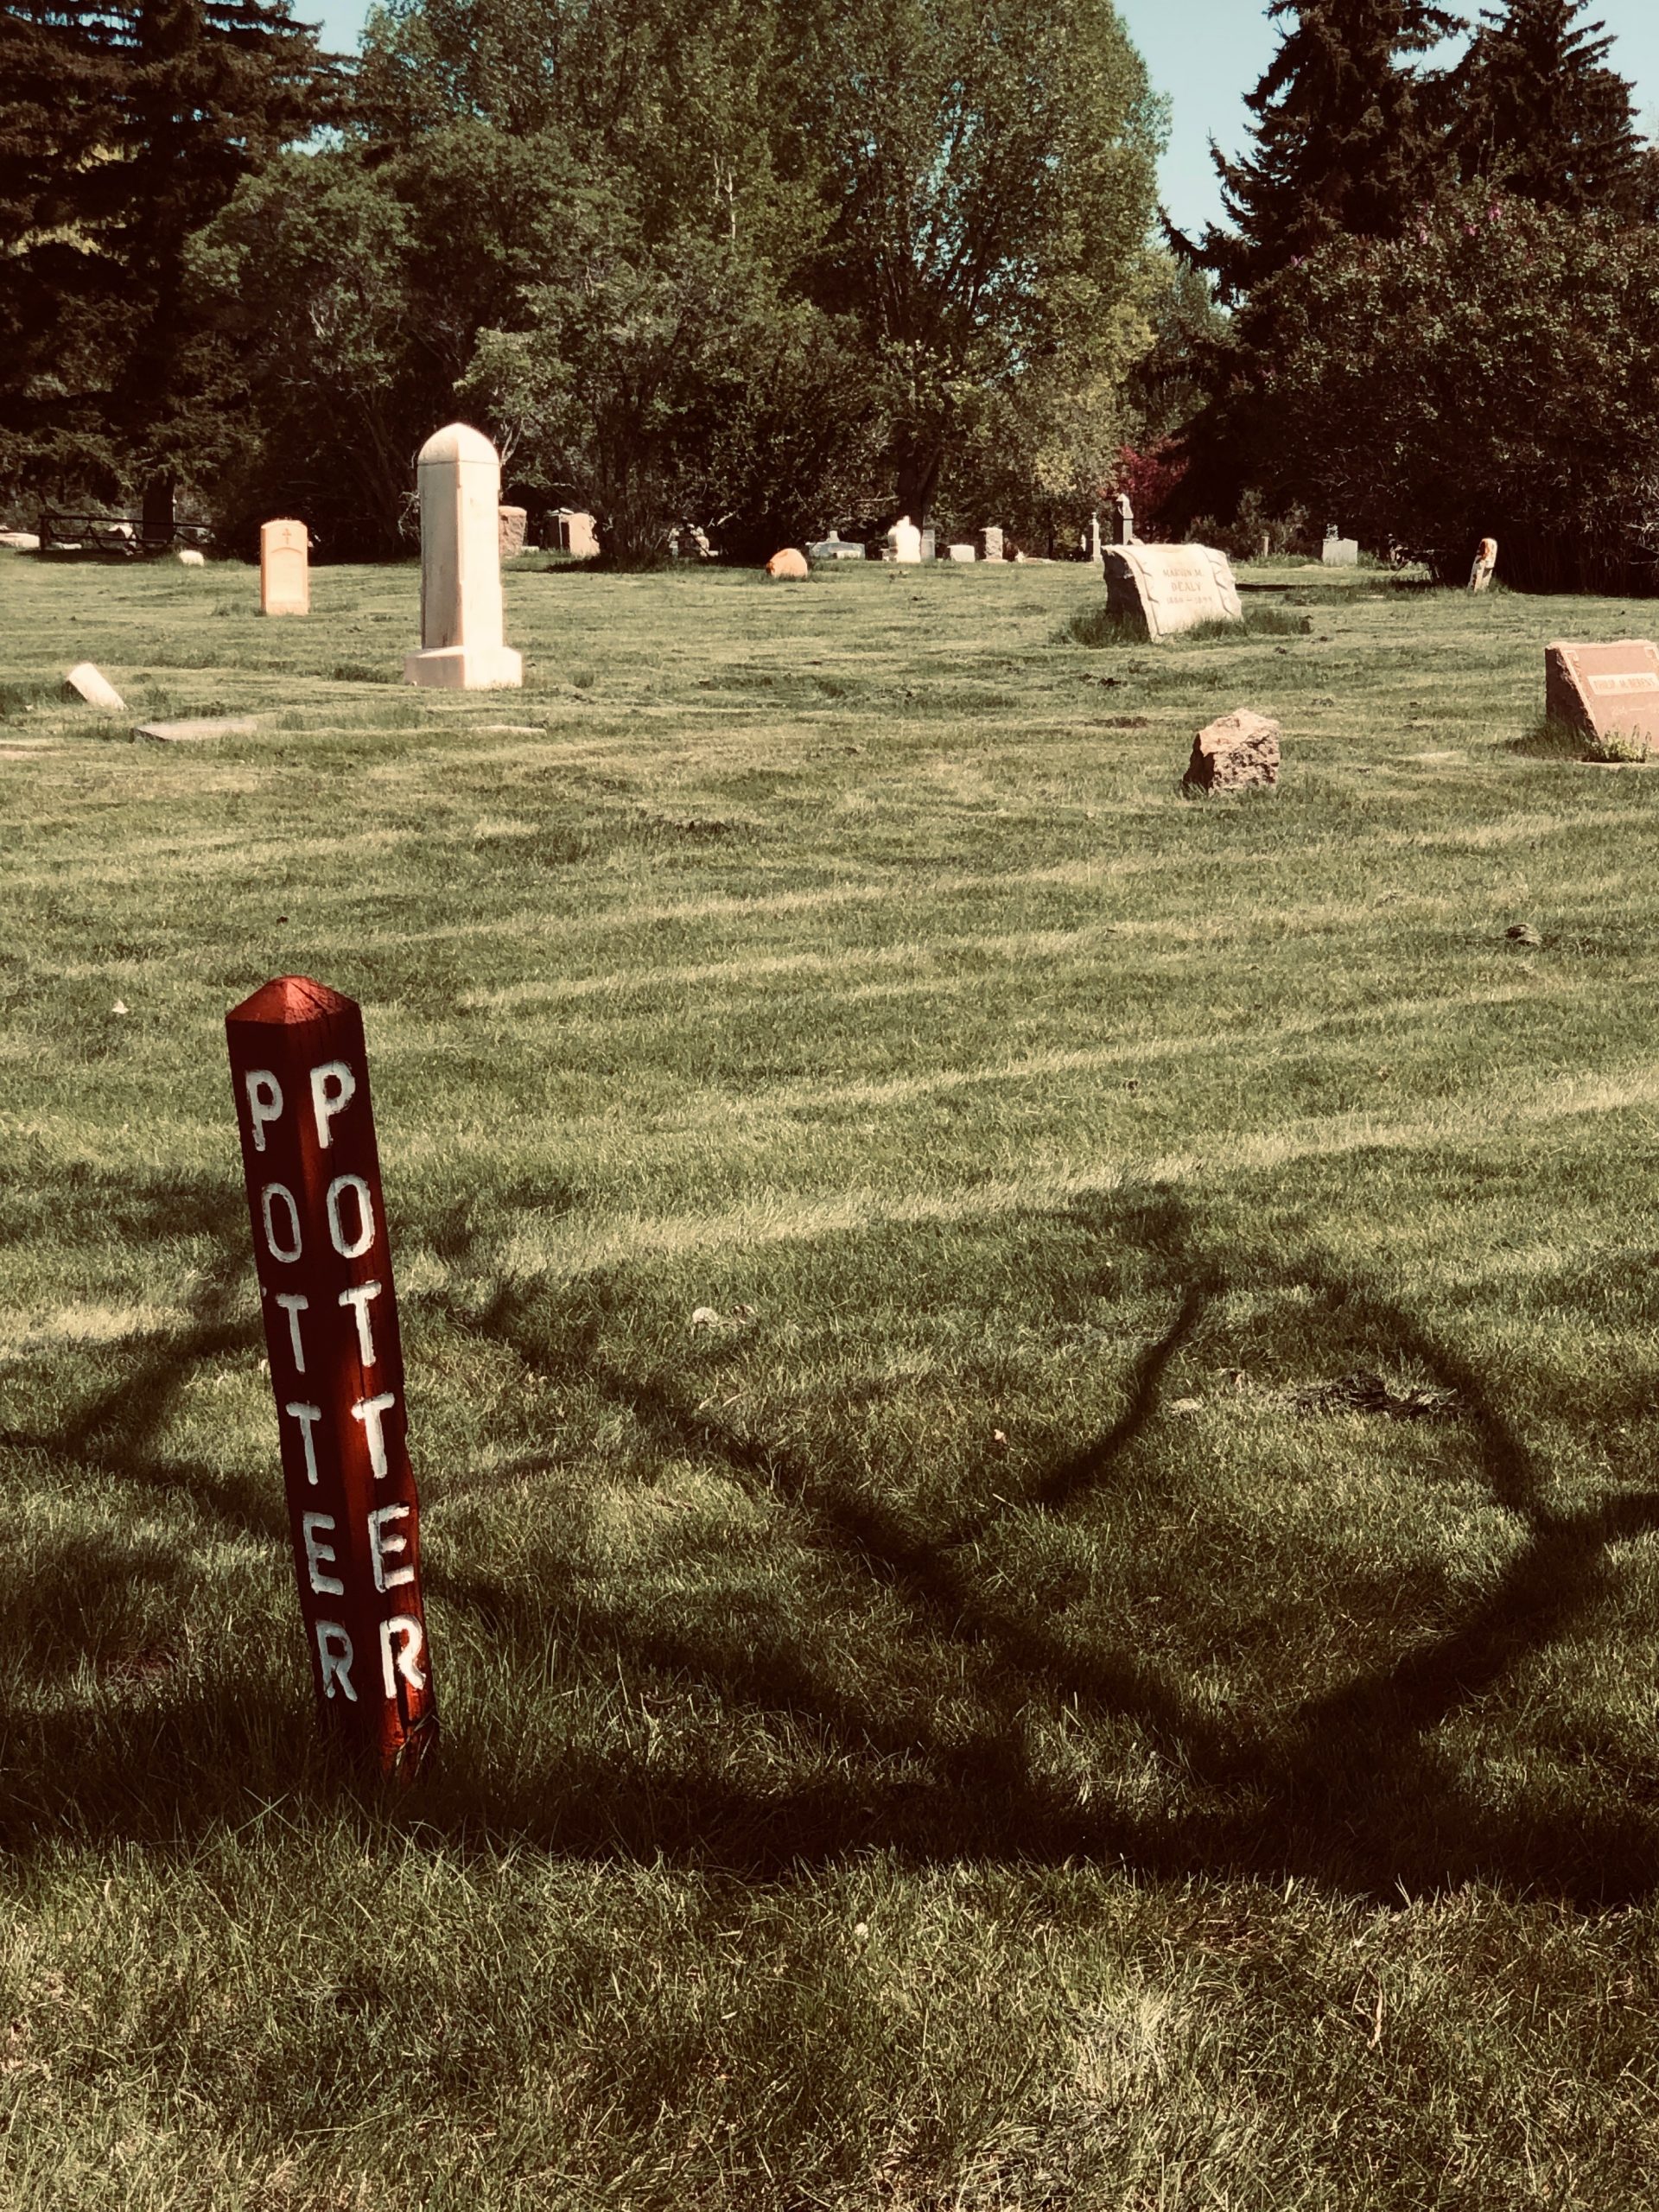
x,y
284,568
990,541
1238,752
1164,589
787,563
1480,576
461,644
95,688
1604,692
513,520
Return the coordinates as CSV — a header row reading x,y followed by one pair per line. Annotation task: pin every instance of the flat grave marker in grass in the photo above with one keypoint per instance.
x,y
300,1075
1607,692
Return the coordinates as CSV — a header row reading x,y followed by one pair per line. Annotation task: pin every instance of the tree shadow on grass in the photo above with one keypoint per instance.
x,y
1356,1789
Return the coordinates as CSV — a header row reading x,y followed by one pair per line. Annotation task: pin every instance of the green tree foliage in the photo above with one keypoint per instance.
x,y
1492,371
1540,113
987,174
124,127
1347,136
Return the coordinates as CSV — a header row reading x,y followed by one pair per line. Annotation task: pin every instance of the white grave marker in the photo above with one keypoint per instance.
x,y
461,644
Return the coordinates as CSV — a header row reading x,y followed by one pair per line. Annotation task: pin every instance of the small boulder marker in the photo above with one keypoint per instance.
x,y
301,1085
462,644
1238,752
284,568
1486,568
1605,692
1161,590
788,565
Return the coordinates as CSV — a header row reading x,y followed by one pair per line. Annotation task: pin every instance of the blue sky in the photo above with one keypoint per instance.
x,y
1206,54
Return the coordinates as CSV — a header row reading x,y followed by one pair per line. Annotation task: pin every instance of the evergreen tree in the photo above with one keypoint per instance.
x,y
1542,115
1347,137
124,125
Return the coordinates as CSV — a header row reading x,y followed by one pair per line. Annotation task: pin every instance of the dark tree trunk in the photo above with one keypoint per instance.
x,y
158,511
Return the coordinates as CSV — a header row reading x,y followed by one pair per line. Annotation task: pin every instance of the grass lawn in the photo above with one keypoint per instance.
x,y
1119,1672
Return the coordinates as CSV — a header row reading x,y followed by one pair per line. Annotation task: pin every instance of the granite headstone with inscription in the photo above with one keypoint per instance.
x,y
1604,692
1163,589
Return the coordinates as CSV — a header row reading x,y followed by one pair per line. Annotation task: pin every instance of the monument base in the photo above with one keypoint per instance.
x,y
465,668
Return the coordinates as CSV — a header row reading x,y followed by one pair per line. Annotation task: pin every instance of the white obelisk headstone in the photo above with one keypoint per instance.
x,y
462,647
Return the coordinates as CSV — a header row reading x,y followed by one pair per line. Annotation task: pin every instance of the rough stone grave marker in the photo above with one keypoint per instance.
x,y
1163,589
513,524
284,568
309,1153
1604,692
1239,752
462,647
990,541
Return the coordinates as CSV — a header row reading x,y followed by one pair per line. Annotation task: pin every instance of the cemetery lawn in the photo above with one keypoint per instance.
x,y
1035,1402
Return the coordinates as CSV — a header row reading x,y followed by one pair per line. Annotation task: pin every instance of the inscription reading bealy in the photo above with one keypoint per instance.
x,y
1604,692
1164,589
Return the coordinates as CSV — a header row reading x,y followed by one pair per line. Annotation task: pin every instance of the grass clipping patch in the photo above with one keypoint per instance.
x,y
1098,625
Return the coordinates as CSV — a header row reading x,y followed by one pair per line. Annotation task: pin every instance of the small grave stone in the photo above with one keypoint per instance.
x,y
1092,544
990,541
462,646
188,557
1604,692
1163,589
20,541
96,688
787,565
904,542
575,531
511,535
1480,576
1123,520
1238,752
284,568
961,552
836,548
1339,552
930,542
198,732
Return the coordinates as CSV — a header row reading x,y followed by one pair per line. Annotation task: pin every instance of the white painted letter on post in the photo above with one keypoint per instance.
x,y
270,1198
319,1555
383,1542
405,1662
264,1103
363,1237
335,1649
333,1088
368,1411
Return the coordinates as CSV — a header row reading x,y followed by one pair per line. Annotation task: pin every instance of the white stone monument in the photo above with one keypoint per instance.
x,y
904,542
1486,568
836,548
1337,551
462,647
1163,589
284,569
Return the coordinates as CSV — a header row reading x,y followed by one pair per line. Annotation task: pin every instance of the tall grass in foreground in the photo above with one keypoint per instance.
x,y
1116,1670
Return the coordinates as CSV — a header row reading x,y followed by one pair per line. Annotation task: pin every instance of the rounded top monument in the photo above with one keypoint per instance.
x,y
458,442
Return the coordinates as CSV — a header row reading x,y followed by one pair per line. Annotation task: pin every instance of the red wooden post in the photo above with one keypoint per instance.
x,y
320,1249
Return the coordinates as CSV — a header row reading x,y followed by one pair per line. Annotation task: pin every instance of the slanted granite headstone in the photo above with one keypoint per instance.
x,y
1486,568
1239,752
1163,589
990,541
1339,552
1123,520
462,644
95,688
1604,692
836,548
284,569
511,532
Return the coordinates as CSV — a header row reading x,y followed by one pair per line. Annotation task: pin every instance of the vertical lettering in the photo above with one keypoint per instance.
x,y
409,1633
359,1299
335,1649
383,1542
319,1555
308,1417
293,1304
368,1411
268,1199
264,1102
333,1088
360,1242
